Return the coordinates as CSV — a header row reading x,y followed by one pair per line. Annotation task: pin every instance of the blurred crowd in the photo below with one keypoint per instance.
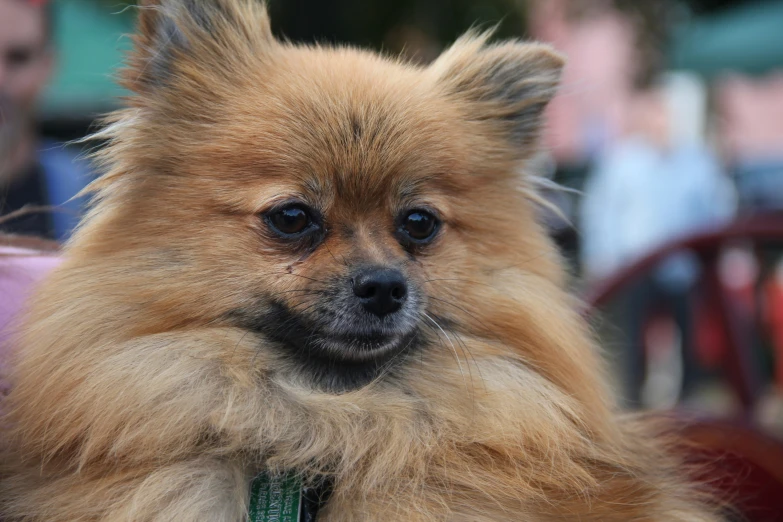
x,y
668,150
659,154
656,148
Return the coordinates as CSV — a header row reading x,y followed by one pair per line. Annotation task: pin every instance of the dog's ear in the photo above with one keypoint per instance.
x,y
509,83
170,33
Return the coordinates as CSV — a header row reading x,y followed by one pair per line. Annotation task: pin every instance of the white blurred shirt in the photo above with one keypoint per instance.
x,y
639,198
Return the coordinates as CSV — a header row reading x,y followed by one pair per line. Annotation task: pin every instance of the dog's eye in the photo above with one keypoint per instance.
x,y
290,221
419,225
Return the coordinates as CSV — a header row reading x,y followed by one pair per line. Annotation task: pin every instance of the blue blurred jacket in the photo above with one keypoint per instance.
x,y
65,176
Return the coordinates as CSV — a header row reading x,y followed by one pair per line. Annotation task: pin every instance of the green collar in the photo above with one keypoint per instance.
x,y
275,498
283,498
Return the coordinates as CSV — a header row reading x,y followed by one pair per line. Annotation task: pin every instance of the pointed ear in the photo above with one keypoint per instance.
x,y
171,32
510,83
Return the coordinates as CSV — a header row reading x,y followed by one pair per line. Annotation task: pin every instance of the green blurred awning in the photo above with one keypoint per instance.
x,y
91,38
747,39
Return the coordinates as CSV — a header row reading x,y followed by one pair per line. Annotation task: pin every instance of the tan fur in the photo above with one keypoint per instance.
x,y
136,399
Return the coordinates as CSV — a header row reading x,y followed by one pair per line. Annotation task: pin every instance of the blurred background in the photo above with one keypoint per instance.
x,y
663,154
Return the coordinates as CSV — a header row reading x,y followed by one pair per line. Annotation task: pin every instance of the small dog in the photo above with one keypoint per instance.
x,y
321,262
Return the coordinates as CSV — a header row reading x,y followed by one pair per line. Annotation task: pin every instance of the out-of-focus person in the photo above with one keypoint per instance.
x,y
598,77
658,182
34,172
751,131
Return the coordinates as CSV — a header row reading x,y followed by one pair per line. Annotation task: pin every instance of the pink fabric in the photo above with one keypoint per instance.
x,y
20,270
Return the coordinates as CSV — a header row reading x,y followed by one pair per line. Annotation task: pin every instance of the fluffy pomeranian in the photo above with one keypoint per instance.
x,y
321,262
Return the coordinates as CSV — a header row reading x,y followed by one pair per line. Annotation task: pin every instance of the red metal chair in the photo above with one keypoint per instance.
x,y
742,462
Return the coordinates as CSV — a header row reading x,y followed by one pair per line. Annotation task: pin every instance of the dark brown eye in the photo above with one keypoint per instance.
x,y
420,226
292,220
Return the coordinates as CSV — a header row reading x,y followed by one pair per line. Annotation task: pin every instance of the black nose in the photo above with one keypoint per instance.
x,y
380,290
